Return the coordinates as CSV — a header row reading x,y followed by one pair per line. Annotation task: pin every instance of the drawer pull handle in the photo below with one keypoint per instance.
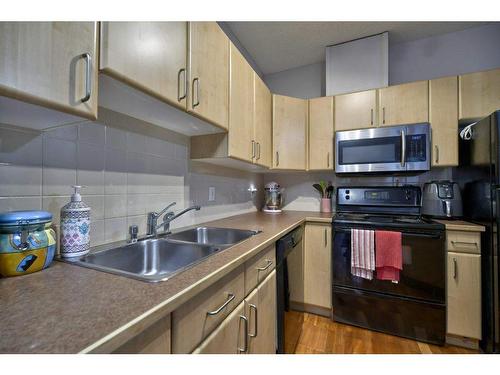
x,y
269,264
464,243
245,323
255,331
230,297
455,270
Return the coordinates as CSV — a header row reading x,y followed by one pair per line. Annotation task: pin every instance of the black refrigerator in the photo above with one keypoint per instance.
x,y
479,174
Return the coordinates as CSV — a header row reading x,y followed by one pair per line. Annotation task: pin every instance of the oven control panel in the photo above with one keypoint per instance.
x,y
379,196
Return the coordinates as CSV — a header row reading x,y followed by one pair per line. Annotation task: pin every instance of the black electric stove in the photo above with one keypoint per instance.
x,y
415,307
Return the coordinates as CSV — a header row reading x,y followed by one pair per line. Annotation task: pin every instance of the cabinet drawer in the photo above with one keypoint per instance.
x,y
257,268
463,242
199,316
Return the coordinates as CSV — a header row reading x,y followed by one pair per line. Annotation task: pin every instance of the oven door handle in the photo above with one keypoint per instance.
x,y
415,234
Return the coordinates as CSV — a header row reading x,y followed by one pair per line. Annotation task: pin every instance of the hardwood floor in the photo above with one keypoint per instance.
x,y
321,335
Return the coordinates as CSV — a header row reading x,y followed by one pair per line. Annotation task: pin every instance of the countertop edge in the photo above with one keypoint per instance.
x,y
461,225
119,336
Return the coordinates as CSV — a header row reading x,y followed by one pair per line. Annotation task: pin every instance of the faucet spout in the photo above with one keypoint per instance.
x,y
153,217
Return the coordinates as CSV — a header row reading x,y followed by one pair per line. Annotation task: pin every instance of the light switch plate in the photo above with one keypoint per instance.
x,y
211,194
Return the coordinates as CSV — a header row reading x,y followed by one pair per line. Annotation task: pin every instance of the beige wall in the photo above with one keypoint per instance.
x,y
128,168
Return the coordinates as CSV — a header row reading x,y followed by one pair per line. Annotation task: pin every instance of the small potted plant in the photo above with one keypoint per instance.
x,y
326,191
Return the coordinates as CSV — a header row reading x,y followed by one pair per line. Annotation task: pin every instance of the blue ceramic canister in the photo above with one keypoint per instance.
x,y
27,242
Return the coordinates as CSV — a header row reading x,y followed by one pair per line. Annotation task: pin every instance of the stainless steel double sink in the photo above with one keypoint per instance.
x,y
157,259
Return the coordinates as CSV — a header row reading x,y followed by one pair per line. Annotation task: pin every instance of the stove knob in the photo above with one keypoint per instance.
x,y
347,197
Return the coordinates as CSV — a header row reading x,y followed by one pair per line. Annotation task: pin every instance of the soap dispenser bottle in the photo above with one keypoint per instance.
x,y
75,227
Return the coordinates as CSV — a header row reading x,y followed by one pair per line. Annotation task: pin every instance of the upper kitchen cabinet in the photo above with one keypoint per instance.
x,y
356,111
50,64
321,130
479,94
404,104
262,123
241,107
150,56
443,116
289,133
208,69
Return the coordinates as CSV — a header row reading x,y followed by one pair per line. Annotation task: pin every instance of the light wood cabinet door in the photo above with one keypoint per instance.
x,y
321,133
208,93
464,295
317,265
259,267
404,104
443,116
153,340
356,111
289,133
479,94
260,308
241,143
150,56
262,122
52,64
228,337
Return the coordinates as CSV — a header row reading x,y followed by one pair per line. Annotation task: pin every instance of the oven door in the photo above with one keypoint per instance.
x,y
388,149
423,274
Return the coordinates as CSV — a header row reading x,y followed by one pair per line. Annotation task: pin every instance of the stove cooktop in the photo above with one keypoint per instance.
x,y
412,221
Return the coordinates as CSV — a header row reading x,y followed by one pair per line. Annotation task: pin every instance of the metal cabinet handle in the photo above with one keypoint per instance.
x,y
371,116
253,149
88,76
193,103
255,331
328,159
455,268
403,148
245,322
436,149
269,264
258,150
230,297
277,158
464,243
326,238
184,94
383,115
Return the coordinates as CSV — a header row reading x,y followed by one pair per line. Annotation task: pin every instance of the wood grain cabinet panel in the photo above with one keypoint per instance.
x,y
241,107
318,265
443,116
208,68
404,104
43,63
260,308
258,267
289,133
479,94
356,111
150,56
321,131
228,337
197,318
464,295
262,122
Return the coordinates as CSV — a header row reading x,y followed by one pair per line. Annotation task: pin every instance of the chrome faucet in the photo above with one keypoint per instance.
x,y
153,217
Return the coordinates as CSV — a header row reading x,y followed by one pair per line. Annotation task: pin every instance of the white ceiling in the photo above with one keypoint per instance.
x,y
278,46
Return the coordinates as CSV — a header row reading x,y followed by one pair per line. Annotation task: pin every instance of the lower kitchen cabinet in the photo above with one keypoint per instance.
x,y
317,268
464,295
260,308
229,337
153,340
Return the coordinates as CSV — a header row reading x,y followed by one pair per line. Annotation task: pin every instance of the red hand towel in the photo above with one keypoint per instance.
x,y
388,255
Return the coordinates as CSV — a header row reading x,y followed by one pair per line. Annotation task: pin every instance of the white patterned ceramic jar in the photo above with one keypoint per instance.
x,y
75,227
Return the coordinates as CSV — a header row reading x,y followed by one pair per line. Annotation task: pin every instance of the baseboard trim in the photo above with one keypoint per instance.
x,y
310,308
464,342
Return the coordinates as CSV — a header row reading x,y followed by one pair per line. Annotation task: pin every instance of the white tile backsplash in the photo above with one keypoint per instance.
x,y
125,175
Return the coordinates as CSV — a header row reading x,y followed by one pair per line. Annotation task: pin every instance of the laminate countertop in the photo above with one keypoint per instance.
x,y
72,309
461,225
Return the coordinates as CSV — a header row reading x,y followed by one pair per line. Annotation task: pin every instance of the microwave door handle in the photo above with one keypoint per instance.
x,y
403,148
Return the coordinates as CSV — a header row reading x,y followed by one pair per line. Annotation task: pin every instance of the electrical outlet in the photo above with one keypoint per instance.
x,y
211,194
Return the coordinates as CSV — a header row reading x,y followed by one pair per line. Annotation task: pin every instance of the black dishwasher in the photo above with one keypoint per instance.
x,y
289,323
